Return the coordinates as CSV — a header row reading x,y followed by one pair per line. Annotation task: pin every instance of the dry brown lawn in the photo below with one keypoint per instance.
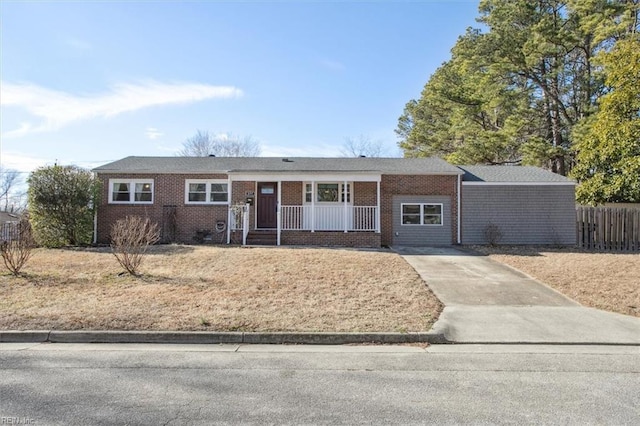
x,y
219,288
609,281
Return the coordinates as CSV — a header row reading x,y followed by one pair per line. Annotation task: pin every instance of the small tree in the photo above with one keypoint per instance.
x,y
130,239
9,180
61,205
492,234
361,146
16,250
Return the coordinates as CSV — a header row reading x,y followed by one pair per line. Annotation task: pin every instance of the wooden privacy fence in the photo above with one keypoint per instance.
x,y
608,228
9,231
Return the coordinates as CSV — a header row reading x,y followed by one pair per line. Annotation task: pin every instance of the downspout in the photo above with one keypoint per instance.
x,y
230,200
459,208
95,215
95,225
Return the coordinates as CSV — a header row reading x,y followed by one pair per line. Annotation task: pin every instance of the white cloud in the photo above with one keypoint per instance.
x,y
26,163
20,131
22,163
153,133
57,109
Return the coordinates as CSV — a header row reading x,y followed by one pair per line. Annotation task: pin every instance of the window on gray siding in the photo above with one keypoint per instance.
x,y
432,214
421,214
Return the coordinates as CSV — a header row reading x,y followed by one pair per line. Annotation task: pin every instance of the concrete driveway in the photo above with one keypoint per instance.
x,y
489,302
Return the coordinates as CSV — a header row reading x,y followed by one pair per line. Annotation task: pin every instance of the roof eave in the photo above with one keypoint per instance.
x,y
520,183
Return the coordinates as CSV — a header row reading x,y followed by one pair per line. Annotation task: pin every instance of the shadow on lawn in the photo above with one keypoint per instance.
x,y
155,249
536,250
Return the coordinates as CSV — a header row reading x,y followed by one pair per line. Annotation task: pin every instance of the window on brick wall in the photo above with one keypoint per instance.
x,y
328,192
206,191
130,191
421,214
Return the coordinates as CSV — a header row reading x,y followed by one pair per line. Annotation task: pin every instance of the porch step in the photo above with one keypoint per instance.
x,y
262,238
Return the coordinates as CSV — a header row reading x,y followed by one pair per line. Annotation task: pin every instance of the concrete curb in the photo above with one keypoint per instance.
x,y
28,336
203,337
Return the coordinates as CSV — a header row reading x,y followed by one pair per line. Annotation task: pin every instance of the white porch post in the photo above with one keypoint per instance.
x,y
278,210
313,206
346,211
378,206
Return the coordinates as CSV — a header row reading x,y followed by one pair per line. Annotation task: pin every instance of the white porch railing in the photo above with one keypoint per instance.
x,y
239,220
329,218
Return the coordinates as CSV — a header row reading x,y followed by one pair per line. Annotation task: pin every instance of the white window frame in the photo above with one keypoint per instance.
x,y
132,190
314,193
208,183
422,205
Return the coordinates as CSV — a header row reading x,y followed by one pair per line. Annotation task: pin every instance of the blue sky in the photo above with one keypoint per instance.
x,y
86,83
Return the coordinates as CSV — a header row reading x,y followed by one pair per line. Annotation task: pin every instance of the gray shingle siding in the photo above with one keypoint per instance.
x,y
510,174
525,214
421,235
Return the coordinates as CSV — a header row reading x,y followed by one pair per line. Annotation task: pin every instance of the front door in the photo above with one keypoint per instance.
x,y
267,205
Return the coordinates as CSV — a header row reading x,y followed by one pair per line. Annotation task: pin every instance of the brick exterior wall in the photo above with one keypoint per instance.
x,y
330,238
169,193
292,193
415,185
365,193
169,190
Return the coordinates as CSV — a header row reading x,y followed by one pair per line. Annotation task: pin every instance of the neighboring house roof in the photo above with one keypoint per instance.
x,y
511,174
174,165
8,217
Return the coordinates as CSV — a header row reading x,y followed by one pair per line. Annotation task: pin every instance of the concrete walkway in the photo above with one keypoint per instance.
x,y
489,302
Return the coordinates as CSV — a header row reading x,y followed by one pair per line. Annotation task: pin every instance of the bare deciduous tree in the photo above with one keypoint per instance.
x,y
9,179
362,146
204,144
16,249
130,239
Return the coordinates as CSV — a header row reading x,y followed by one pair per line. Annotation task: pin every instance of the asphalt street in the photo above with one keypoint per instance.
x,y
162,384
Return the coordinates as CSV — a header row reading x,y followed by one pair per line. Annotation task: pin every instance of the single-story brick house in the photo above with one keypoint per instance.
x,y
362,202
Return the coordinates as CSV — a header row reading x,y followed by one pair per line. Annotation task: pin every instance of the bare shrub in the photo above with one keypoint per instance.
x,y
16,249
130,239
492,234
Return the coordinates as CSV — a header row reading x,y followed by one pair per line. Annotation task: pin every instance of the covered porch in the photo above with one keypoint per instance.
x,y
311,208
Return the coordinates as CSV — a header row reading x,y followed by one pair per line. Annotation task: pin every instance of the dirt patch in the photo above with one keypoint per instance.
x,y
609,281
221,289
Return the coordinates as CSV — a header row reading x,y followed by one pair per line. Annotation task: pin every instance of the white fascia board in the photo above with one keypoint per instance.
x,y
305,177
424,174
518,183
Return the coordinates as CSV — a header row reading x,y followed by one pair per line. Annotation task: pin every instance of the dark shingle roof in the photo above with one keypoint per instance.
x,y
510,174
277,165
9,217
